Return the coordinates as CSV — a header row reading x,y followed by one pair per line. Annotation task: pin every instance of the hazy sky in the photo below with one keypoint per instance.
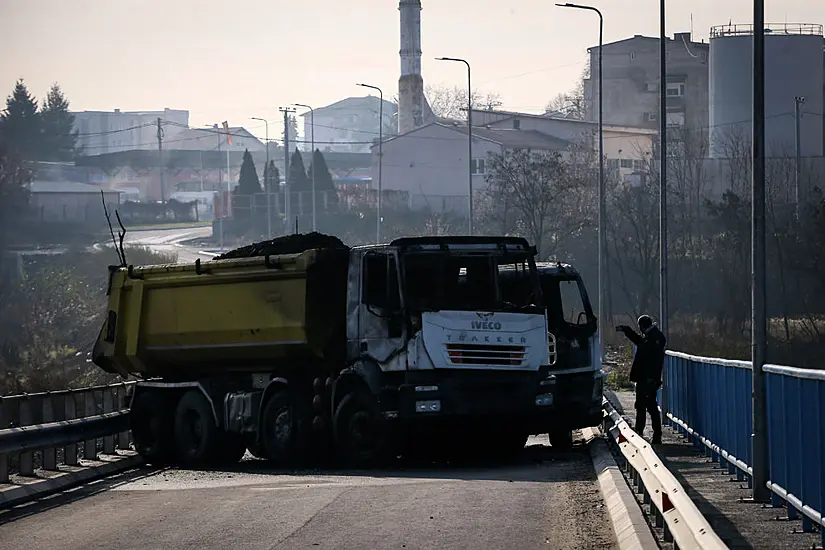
x,y
231,60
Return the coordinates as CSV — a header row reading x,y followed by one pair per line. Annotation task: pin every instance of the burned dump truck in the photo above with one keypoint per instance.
x,y
575,382
302,347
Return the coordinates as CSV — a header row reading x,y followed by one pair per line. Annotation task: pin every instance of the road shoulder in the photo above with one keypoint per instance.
x,y
626,517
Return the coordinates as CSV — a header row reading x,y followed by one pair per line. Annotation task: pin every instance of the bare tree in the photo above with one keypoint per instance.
x,y
452,102
538,194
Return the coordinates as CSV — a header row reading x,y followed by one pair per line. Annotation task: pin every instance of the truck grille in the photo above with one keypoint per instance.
x,y
481,354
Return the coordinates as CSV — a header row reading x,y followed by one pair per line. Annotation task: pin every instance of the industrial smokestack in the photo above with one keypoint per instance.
x,y
413,110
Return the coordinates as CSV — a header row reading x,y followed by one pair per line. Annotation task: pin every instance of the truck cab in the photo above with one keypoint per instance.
x,y
442,344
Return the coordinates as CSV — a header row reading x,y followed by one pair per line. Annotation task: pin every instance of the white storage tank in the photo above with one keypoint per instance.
x,y
794,67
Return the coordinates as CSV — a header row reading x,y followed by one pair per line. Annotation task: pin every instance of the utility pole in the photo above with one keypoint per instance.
x,y
798,101
160,162
287,194
663,236
759,325
220,185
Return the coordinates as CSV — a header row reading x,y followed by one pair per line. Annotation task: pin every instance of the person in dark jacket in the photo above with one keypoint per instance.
x,y
646,372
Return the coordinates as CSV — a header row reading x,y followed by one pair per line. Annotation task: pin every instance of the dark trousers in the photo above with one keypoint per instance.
x,y
646,404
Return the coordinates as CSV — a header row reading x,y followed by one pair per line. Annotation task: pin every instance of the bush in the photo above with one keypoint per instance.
x,y
50,319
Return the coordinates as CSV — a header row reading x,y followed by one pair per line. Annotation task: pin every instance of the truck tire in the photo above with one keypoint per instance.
x,y
285,429
561,439
197,438
360,433
151,427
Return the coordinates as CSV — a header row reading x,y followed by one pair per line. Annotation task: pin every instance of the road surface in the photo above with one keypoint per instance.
x,y
546,499
170,241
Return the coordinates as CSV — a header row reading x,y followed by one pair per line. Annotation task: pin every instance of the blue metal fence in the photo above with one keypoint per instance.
x,y
709,400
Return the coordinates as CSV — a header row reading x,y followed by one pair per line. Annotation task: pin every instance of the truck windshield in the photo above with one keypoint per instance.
x,y
444,280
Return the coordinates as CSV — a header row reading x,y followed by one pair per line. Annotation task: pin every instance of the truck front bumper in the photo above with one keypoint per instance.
x,y
534,401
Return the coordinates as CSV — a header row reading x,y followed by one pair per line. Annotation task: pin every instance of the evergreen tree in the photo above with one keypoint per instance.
x,y
248,183
297,174
59,136
20,122
323,182
272,177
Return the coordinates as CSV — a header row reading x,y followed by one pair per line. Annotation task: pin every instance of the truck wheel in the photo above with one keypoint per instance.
x,y
151,429
561,439
285,428
196,435
359,431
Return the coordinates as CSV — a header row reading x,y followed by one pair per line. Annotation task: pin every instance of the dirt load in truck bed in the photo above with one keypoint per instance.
x,y
288,244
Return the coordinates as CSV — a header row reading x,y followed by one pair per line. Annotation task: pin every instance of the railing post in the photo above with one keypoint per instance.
x,y
108,406
49,455
90,446
70,451
26,419
122,437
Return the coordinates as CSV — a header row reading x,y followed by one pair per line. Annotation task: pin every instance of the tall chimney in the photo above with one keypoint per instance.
x,y
411,109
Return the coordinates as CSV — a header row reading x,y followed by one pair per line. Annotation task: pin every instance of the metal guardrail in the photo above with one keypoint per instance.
x,y
709,401
54,424
670,505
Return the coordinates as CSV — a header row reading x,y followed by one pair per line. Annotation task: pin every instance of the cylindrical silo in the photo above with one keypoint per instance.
x,y
794,67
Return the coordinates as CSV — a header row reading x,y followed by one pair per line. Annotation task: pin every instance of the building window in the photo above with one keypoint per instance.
x,y
627,163
516,124
477,167
704,57
638,165
675,120
651,117
612,164
652,86
675,89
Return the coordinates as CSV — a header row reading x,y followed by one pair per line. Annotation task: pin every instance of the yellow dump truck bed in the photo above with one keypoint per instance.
x,y
224,315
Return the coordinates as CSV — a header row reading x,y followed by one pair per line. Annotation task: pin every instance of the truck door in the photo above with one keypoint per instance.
x,y
381,323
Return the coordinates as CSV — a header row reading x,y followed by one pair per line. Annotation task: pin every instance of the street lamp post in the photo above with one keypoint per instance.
x,y
602,208
380,157
312,154
469,132
267,177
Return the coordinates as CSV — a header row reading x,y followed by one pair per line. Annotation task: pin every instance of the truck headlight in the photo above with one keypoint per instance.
x,y
544,400
432,405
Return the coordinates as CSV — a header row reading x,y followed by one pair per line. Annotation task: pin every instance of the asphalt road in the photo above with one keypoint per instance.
x,y
546,499
170,241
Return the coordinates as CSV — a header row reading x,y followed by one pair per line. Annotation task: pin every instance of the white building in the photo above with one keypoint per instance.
x,y
350,125
102,132
431,165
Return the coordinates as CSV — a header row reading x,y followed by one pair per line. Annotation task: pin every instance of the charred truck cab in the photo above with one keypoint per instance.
x,y
441,343
575,379
310,352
